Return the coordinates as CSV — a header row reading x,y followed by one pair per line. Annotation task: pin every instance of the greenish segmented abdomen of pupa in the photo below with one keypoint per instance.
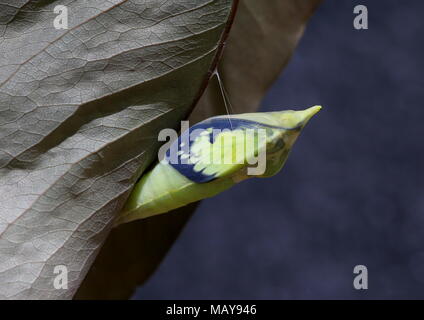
x,y
163,189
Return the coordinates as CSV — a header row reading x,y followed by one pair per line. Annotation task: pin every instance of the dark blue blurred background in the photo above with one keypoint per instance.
x,y
351,192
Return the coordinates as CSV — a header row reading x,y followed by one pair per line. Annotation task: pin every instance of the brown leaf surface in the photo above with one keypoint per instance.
x,y
80,110
260,44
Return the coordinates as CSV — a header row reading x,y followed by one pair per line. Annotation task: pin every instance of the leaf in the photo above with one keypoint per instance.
x,y
260,44
80,110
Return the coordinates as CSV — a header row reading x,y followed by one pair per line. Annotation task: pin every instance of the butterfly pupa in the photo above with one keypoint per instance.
x,y
193,168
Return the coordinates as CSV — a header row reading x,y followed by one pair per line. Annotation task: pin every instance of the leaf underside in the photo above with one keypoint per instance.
x,y
80,110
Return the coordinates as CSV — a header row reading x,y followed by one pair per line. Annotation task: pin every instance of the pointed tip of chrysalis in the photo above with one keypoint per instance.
x,y
298,119
302,117
307,114
315,109
290,119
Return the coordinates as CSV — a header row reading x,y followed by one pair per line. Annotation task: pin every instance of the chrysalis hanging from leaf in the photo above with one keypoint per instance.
x,y
212,156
